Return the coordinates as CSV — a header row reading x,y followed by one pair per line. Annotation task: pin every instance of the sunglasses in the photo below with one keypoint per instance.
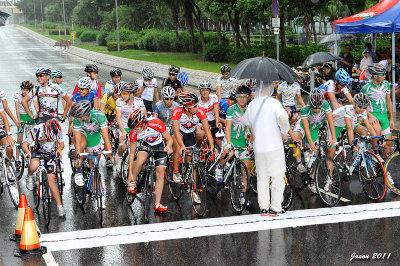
x,y
124,93
191,107
381,75
59,77
40,75
95,72
241,96
83,88
168,99
225,73
362,107
173,74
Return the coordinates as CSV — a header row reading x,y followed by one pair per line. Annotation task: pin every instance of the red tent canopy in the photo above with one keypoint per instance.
x,y
373,11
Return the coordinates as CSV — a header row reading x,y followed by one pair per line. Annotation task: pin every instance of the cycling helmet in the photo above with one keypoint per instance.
x,y
361,99
251,83
117,88
52,129
243,89
225,68
183,77
376,69
55,73
115,72
129,87
27,85
342,76
147,73
91,68
316,99
188,99
81,109
136,119
205,84
167,92
174,70
84,83
43,70
232,94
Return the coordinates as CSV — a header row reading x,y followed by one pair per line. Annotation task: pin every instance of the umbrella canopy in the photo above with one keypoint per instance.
x,y
330,39
318,58
264,69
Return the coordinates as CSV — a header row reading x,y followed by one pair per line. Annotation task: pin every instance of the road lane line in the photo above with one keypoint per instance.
x,y
49,259
214,226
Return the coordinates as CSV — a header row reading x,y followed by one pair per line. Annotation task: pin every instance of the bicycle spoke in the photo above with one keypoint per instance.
x,y
327,179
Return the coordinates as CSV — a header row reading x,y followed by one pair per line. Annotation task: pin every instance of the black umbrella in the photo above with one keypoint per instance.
x,y
264,69
318,58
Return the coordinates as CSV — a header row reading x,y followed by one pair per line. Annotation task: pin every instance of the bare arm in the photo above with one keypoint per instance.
x,y
219,92
228,131
333,100
106,138
301,101
156,94
389,108
17,110
67,105
329,117
349,98
24,103
119,121
178,137
8,111
96,103
370,128
350,132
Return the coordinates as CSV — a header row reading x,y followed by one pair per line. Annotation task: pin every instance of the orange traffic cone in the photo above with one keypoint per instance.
x,y
29,245
20,218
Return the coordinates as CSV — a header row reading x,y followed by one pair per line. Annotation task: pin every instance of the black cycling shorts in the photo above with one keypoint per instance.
x,y
189,139
49,162
213,128
110,118
3,134
160,158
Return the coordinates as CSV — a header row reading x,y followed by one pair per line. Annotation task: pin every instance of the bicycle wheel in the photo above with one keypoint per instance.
x,y
213,186
236,187
36,192
297,178
124,167
175,188
59,180
200,187
392,169
288,193
327,181
81,191
20,168
372,177
46,199
98,192
12,182
148,194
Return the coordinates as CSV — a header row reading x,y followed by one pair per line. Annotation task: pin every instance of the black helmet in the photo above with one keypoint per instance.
x,y
243,89
136,119
225,68
232,94
91,68
115,72
27,85
317,99
81,109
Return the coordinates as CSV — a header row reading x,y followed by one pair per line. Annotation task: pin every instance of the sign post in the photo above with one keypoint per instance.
x,y
276,24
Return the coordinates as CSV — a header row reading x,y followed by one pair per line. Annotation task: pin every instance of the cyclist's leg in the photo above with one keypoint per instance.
x,y
386,132
200,133
33,166
137,166
161,165
175,156
19,141
299,135
5,139
245,157
51,178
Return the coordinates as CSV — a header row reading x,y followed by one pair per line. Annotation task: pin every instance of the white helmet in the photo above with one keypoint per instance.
x,y
168,92
84,83
147,72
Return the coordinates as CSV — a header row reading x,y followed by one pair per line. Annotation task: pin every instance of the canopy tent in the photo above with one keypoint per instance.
x,y
386,22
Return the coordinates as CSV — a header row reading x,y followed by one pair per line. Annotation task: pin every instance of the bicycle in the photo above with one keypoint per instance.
x,y
10,180
20,165
93,183
187,170
391,166
235,174
114,138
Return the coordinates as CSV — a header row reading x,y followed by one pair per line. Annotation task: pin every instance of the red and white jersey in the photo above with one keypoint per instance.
x,y
209,106
188,125
152,135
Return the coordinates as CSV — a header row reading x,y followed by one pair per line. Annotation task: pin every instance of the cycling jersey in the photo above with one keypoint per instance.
x,y
109,87
377,96
164,113
223,107
186,124
209,106
90,97
91,129
288,93
238,127
18,98
37,136
347,111
148,93
95,86
315,120
152,135
47,98
176,84
2,95
126,110
109,102
329,86
226,85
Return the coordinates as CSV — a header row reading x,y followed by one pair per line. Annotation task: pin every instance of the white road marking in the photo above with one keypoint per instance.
x,y
49,259
214,226
333,195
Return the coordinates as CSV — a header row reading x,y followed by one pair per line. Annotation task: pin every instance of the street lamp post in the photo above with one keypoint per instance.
x,y
65,27
34,13
116,17
41,10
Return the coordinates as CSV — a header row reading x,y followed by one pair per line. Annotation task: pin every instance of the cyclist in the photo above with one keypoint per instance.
x,y
313,115
209,102
289,91
6,108
148,88
333,88
108,102
92,71
46,138
235,135
116,75
173,81
163,109
57,78
151,133
124,107
89,127
47,97
85,93
224,105
380,105
26,87
225,84
184,121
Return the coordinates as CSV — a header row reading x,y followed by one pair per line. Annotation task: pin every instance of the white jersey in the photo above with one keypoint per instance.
x,y
209,106
288,93
37,135
329,86
18,98
347,111
47,98
226,85
2,95
148,93
126,109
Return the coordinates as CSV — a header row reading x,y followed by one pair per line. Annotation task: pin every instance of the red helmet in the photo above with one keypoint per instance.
x,y
136,119
27,85
188,99
52,129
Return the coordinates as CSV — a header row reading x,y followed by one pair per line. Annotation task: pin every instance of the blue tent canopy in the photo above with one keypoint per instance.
x,y
386,22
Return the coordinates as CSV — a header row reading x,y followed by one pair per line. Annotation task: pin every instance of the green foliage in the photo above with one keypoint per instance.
x,y
112,46
88,36
216,52
55,32
79,31
101,38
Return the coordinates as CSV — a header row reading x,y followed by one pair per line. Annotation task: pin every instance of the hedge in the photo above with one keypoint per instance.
x,y
112,46
88,36
101,38
55,32
216,52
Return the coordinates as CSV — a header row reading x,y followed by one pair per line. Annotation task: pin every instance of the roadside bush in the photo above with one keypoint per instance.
x,y
101,38
216,52
88,36
51,25
55,32
112,46
79,31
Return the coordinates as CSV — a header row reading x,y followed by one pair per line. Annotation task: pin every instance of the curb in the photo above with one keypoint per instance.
x,y
160,70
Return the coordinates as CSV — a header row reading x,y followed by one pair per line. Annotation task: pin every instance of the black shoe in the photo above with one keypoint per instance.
x,y
273,213
264,212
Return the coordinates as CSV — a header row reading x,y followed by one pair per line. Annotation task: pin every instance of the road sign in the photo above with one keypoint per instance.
x,y
276,22
276,31
73,35
275,8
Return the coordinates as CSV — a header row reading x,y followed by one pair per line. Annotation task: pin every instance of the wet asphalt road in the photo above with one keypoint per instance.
x,y
310,245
